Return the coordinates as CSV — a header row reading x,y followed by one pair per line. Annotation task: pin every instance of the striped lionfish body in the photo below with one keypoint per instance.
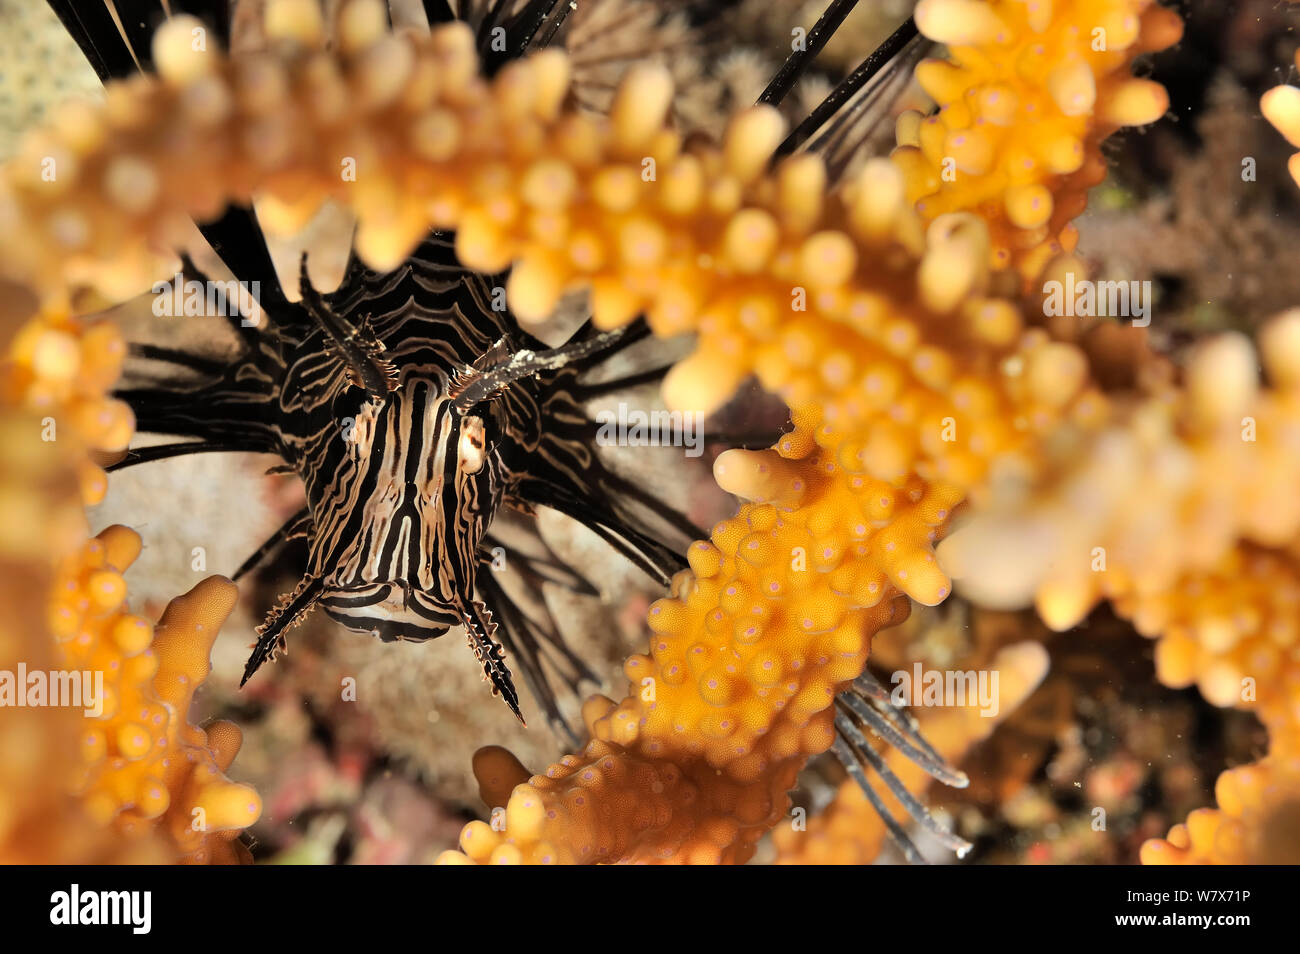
x,y
414,412
405,472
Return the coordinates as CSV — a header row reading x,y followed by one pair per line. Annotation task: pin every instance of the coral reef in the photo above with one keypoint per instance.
x,y
40,822
1215,462
144,768
1027,94
922,376
62,369
134,767
775,615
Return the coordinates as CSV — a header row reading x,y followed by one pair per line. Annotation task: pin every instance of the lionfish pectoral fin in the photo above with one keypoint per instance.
x,y
291,610
482,385
479,630
494,357
866,707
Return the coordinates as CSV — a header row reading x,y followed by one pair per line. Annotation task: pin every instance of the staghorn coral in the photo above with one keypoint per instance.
x,y
708,243
1231,630
137,764
144,768
850,832
40,822
1026,96
702,241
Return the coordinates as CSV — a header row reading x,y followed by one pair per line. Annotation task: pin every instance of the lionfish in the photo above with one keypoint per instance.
x,y
416,413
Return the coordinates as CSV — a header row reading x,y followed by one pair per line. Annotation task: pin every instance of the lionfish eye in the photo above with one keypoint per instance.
x,y
471,450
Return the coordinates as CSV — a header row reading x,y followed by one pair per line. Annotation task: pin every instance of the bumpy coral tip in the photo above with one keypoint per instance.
x,y
1136,103
498,772
1281,107
1023,666
1064,605
1280,345
761,476
959,22
299,21
451,857
700,383
751,138
641,106
181,50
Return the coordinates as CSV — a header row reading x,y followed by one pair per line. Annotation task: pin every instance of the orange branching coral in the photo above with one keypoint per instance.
x,y
1257,821
62,369
144,768
1230,622
850,831
1026,95
1281,107
901,338
39,821
774,618
1155,500
1234,631
701,239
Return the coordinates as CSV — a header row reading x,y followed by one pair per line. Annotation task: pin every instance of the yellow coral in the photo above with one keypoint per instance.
x,y
1234,631
1281,107
700,239
1026,95
143,766
1153,507
40,823
62,369
773,619
1257,821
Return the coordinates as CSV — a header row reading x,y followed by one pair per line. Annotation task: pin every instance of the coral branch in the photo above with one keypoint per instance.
x,y
1026,96
144,767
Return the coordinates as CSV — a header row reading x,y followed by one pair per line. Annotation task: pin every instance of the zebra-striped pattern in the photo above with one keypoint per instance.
x,y
404,478
398,513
